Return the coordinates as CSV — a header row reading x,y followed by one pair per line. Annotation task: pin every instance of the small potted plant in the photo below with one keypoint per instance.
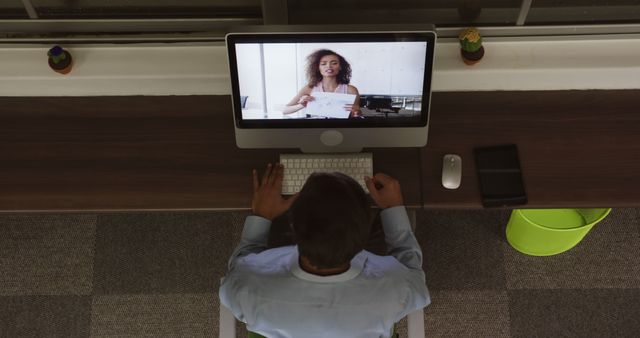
x,y
60,60
471,46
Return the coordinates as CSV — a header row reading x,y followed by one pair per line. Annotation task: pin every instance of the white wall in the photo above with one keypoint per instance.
x,y
250,75
394,68
281,72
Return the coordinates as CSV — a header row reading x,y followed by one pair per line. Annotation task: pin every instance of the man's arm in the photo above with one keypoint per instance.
x,y
266,205
386,193
254,238
400,239
402,244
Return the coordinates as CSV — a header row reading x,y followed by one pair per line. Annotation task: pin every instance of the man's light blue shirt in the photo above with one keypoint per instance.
x,y
267,289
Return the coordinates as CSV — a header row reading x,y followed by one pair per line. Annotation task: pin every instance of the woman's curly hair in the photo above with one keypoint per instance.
x,y
313,65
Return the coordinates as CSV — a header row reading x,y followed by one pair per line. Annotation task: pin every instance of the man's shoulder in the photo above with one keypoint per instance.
x,y
270,260
388,272
383,264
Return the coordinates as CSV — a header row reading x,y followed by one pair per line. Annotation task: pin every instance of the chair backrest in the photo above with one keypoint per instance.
x,y
227,323
415,324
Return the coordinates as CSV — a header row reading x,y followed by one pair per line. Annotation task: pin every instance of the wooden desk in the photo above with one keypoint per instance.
x,y
576,148
115,153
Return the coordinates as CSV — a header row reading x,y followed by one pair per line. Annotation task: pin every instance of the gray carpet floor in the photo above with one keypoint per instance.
x,y
157,275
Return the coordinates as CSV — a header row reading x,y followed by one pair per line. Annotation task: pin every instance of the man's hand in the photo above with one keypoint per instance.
x,y
385,190
267,196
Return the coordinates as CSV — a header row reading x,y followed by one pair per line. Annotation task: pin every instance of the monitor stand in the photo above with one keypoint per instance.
x,y
331,138
331,141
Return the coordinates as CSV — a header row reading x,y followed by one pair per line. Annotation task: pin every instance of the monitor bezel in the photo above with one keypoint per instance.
x,y
358,36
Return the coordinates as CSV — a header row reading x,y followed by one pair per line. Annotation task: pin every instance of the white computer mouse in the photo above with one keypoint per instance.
x,y
451,171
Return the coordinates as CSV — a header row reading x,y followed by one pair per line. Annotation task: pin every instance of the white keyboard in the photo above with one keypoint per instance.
x,y
297,167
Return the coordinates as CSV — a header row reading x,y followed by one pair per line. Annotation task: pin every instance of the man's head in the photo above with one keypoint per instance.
x,y
331,219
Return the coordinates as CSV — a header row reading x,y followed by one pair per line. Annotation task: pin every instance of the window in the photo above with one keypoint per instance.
x,y
139,9
12,9
583,12
212,17
439,12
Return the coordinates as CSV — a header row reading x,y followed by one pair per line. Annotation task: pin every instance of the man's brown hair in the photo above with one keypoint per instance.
x,y
331,219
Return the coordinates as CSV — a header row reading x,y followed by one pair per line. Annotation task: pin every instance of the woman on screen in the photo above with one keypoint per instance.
x,y
327,71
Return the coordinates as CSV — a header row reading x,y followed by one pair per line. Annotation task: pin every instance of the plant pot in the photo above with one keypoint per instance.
x,y
471,58
63,67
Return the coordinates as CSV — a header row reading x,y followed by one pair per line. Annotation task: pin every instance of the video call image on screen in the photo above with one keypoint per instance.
x,y
352,80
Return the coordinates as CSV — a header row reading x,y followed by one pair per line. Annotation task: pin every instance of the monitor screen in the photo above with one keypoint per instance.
x,y
331,80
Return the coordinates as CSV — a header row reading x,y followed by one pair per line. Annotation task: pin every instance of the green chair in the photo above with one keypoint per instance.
x,y
546,232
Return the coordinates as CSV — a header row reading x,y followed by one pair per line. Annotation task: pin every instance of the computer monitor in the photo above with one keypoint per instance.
x,y
331,89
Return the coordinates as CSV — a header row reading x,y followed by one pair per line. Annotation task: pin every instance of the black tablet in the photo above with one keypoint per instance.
x,y
500,176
